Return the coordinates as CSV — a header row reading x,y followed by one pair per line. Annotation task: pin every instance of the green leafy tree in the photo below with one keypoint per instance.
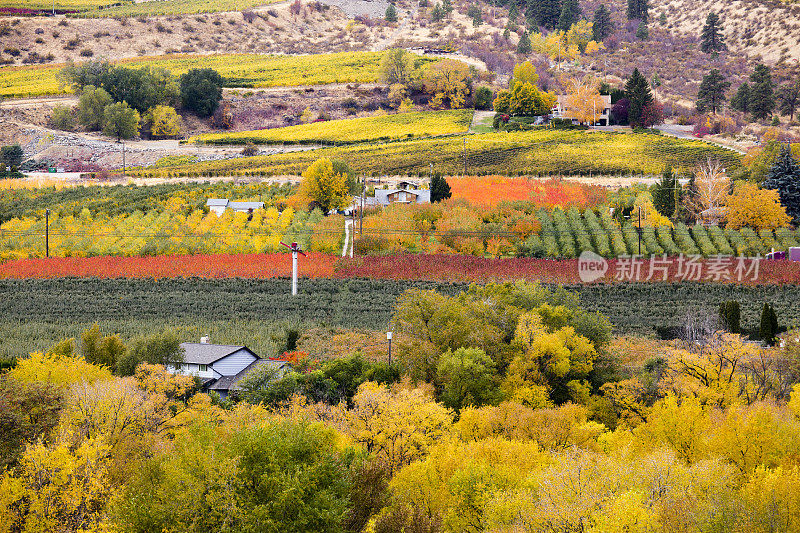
x,y
29,412
91,105
570,14
201,91
483,98
524,44
121,121
440,189
142,88
79,76
643,32
711,38
397,66
768,328
637,91
468,377
99,350
761,100
784,175
638,10
391,13
156,349
789,98
11,156
63,118
602,25
711,95
741,100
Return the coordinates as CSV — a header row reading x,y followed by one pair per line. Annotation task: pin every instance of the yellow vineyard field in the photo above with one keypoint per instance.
x,y
174,7
240,70
58,5
388,127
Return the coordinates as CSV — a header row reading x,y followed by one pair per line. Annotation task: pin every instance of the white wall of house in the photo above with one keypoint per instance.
x,y
218,209
234,363
190,369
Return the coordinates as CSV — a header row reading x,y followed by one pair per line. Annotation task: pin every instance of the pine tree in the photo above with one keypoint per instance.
x,y
768,328
544,12
474,12
730,315
761,99
789,98
637,90
391,13
601,26
711,38
643,32
437,15
712,91
570,14
664,193
440,189
524,45
784,175
741,100
638,9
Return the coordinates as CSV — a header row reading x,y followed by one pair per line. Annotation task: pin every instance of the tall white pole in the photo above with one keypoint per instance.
x,y
294,272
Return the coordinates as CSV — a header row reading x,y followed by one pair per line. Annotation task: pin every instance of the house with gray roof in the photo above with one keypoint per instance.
x,y
220,366
405,193
219,205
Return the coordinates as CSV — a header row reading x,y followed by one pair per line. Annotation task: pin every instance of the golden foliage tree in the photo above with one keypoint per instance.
x,y
756,208
166,122
447,83
584,102
324,186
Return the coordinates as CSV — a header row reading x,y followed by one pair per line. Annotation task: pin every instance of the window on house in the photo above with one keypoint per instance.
x,y
203,368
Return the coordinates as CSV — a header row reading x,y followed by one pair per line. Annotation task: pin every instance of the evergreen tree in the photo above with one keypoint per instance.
x,y
643,32
474,12
601,26
437,15
447,7
761,100
789,98
768,328
513,12
544,13
730,315
784,176
665,193
712,92
741,100
711,38
637,91
524,45
570,14
638,9
440,189
391,13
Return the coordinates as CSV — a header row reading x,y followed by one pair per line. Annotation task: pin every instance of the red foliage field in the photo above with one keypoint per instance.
x,y
490,190
462,268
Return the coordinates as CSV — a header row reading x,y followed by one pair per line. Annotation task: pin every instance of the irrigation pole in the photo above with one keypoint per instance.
x,y
389,338
47,233
640,230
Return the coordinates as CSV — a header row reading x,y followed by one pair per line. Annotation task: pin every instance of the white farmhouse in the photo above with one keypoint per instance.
x,y
220,366
219,205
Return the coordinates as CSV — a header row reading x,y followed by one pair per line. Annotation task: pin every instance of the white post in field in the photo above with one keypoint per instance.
x,y
294,272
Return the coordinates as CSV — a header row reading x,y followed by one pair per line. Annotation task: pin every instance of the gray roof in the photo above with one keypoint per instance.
x,y
204,354
228,383
244,206
217,201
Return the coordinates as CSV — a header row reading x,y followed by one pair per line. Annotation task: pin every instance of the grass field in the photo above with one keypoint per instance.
x,y
34,314
239,70
355,130
541,152
59,5
173,7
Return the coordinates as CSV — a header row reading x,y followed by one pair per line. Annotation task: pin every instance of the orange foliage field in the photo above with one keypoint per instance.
x,y
490,190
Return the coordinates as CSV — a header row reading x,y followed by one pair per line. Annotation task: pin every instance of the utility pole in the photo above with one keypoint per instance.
x,y
361,214
389,338
47,233
295,249
640,230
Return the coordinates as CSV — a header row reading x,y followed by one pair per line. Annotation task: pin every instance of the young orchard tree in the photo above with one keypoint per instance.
x,y
789,98
761,99
711,39
602,25
711,95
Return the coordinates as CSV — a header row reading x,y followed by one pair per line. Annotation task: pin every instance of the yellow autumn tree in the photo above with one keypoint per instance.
x,y
524,73
756,208
325,186
584,101
446,82
166,122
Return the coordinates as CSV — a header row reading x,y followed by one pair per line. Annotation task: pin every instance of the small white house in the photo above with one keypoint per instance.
x,y
405,193
561,109
219,205
220,366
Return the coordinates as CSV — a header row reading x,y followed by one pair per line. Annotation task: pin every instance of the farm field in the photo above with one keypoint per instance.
x,y
58,5
350,131
239,70
38,313
155,8
542,152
